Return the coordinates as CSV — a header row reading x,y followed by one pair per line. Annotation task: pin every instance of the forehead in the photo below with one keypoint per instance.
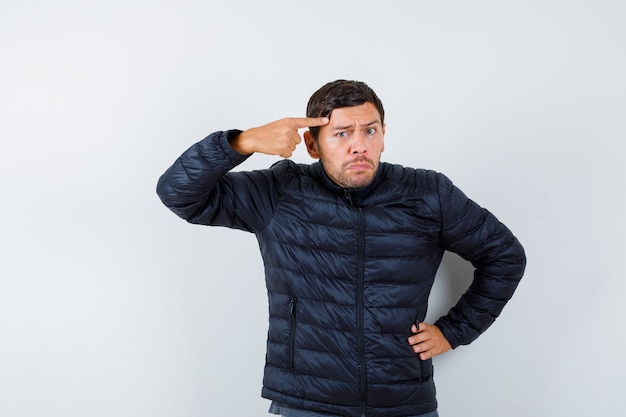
x,y
365,113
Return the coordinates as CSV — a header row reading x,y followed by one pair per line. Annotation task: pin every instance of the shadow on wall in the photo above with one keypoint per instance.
x,y
453,278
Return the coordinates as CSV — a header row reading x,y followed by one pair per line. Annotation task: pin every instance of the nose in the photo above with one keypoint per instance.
x,y
359,144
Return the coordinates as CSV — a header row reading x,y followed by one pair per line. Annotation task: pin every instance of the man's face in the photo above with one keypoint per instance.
x,y
350,145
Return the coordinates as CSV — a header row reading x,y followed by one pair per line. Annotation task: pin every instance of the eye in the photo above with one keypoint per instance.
x,y
342,134
371,131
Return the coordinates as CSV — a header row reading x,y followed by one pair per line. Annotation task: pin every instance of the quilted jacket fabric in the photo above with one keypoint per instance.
x,y
349,271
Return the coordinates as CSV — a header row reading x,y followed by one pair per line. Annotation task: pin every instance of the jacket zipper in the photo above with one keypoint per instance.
x,y
361,312
292,333
360,309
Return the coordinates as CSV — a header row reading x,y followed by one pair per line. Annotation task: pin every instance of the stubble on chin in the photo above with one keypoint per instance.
x,y
357,179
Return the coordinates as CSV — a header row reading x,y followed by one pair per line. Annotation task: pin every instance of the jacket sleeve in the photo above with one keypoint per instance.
x,y
476,235
200,188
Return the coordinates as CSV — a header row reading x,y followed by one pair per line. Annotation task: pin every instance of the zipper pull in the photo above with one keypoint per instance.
x,y
417,318
292,306
346,193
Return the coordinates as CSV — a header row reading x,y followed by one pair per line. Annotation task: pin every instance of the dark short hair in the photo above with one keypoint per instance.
x,y
338,94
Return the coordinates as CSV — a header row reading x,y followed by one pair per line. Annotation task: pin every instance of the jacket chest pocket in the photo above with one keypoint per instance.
x,y
291,347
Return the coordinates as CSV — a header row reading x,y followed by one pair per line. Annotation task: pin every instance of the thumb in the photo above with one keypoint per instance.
x,y
302,122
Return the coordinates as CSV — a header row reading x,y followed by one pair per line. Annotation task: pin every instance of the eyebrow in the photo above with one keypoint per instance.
x,y
374,122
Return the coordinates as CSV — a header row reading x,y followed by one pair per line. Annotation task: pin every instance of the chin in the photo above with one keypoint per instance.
x,y
359,182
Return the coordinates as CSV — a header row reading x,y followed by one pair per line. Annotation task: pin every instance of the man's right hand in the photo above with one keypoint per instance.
x,y
276,138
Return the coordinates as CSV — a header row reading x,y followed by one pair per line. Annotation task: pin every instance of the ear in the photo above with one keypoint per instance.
x,y
311,145
383,147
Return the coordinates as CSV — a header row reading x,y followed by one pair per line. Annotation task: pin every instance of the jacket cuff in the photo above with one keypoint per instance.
x,y
447,332
225,139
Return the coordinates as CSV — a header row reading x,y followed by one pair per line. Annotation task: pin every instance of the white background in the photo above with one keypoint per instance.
x,y
112,306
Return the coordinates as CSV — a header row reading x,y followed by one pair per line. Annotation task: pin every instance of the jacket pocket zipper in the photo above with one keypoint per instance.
x,y
292,333
417,321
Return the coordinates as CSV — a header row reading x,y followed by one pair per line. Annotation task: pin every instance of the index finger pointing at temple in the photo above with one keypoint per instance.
x,y
301,122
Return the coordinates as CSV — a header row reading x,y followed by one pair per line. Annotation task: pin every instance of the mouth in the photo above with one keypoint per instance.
x,y
360,165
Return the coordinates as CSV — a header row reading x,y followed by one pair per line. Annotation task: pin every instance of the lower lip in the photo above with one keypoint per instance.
x,y
360,167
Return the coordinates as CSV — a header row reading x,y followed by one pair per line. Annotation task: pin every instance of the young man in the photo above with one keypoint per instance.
x,y
350,247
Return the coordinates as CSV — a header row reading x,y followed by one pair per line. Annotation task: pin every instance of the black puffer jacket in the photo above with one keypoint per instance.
x,y
349,272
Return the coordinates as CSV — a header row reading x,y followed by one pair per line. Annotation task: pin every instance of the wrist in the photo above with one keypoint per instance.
x,y
241,143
